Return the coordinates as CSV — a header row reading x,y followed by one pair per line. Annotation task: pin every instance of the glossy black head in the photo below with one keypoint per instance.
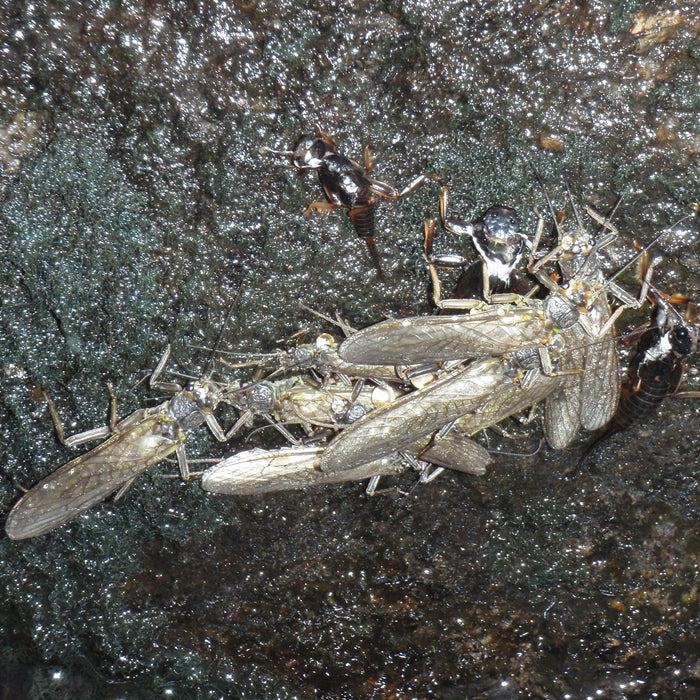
x,y
500,241
310,150
683,341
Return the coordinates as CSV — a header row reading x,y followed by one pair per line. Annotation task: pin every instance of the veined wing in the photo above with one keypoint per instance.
x,y
88,479
265,471
562,411
416,415
508,400
440,338
458,452
601,373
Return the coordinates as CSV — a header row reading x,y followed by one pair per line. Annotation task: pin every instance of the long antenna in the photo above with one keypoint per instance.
x,y
579,223
267,149
543,186
646,247
209,367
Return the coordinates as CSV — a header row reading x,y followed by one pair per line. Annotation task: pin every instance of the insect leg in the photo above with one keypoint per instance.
x,y
215,427
123,489
444,261
112,421
628,302
78,438
367,158
371,489
321,206
153,382
181,455
382,189
278,426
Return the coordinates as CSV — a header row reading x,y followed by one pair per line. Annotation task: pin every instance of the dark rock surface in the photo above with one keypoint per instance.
x,y
134,202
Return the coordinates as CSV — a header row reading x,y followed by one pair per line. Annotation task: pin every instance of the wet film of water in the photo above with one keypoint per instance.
x,y
136,204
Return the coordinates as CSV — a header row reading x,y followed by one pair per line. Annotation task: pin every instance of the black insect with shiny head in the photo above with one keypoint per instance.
x,y
500,244
132,445
657,368
347,184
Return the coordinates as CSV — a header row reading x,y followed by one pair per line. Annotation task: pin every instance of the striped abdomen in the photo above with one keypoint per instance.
x,y
657,380
362,217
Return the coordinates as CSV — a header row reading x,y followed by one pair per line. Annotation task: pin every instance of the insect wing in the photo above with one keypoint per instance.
x,y
510,398
601,374
88,479
265,471
562,411
443,338
414,416
458,452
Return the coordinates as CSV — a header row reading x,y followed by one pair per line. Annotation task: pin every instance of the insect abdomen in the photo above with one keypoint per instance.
x,y
362,217
638,402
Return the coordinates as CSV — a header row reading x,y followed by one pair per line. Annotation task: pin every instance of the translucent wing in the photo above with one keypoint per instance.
x,y
562,418
441,338
601,374
458,452
264,471
146,438
508,400
414,416
562,411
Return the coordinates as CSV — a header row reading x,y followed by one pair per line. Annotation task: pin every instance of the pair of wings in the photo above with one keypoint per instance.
x,y
139,441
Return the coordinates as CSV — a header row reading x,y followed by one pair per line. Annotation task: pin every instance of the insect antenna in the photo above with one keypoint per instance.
x,y
540,445
579,223
644,250
267,149
347,329
209,367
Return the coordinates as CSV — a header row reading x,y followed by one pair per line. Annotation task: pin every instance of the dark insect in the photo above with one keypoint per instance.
x,y
657,369
347,184
499,242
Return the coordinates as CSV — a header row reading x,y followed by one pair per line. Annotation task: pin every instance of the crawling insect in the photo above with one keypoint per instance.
x,y
320,357
301,399
347,184
141,440
657,367
498,330
521,330
500,243
588,398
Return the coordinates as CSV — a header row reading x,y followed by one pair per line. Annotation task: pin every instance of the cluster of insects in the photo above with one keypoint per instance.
x,y
531,327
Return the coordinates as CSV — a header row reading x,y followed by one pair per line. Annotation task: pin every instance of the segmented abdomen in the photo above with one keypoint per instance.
x,y
657,381
362,217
